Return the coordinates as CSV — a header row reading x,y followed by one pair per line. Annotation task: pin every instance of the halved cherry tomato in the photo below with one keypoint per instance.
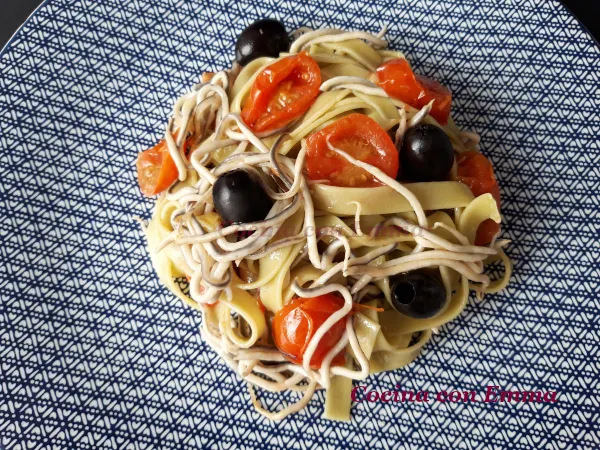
x,y
156,169
399,81
282,92
362,138
476,171
295,324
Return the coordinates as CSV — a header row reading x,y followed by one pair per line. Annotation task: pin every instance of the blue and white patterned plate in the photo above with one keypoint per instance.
x,y
94,353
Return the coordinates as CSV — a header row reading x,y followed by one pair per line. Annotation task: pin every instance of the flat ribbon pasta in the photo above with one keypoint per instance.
x,y
271,293
432,196
387,345
270,264
482,208
247,309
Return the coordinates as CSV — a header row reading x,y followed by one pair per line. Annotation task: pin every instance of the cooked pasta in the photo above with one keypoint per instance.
x,y
335,247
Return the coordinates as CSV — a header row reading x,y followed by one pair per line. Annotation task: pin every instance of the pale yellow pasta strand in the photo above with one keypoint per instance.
x,y
480,209
432,196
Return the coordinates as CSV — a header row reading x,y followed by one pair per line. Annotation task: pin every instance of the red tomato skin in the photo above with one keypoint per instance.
x,y
399,81
156,169
361,137
298,320
282,92
477,172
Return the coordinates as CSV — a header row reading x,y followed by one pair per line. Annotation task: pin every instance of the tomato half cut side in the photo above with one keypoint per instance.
x,y
295,324
477,172
156,169
399,81
282,92
361,137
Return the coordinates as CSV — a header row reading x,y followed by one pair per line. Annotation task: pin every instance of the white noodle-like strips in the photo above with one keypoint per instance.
x,y
204,172
382,32
325,370
203,92
374,41
431,238
175,153
335,81
299,43
286,242
300,31
209,146
331,320
367,290
330,253
217,142
221,77
357,84
401,127
373,254
341,238
233,246
418,117
382,272
357,228
310,229
186,114
377,173
252,226
246,132
181,193
360,357
459,237
289,409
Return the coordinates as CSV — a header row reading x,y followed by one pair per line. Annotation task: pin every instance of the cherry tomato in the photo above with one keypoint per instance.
x,y
295,324
156,169
361,137
476,171
282,92
399,81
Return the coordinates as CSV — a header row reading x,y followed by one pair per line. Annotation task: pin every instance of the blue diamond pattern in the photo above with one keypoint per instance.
x,y
95,354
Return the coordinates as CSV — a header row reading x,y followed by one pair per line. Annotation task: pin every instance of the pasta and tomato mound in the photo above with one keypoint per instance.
x,y
320,207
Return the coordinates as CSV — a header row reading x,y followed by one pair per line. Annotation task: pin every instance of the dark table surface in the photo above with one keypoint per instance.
x,y
14,12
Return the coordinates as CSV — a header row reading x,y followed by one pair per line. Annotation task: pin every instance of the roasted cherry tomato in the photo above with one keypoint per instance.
x,y
399,81
295,324
476,171
282,92
361,137
156,169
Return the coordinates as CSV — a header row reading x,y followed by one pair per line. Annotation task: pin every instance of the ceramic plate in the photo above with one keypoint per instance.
x,y
95,354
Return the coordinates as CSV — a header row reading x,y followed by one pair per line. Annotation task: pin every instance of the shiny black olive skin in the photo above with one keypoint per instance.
x,y
417,294
266,37
239,198
426,154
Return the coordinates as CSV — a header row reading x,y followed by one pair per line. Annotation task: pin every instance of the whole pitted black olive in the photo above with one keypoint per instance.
x,y
239,198
266,37
417,294
426,154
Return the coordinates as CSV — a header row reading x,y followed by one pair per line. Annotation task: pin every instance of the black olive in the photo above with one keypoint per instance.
x,y
418,294
239,198
426,154
266,37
